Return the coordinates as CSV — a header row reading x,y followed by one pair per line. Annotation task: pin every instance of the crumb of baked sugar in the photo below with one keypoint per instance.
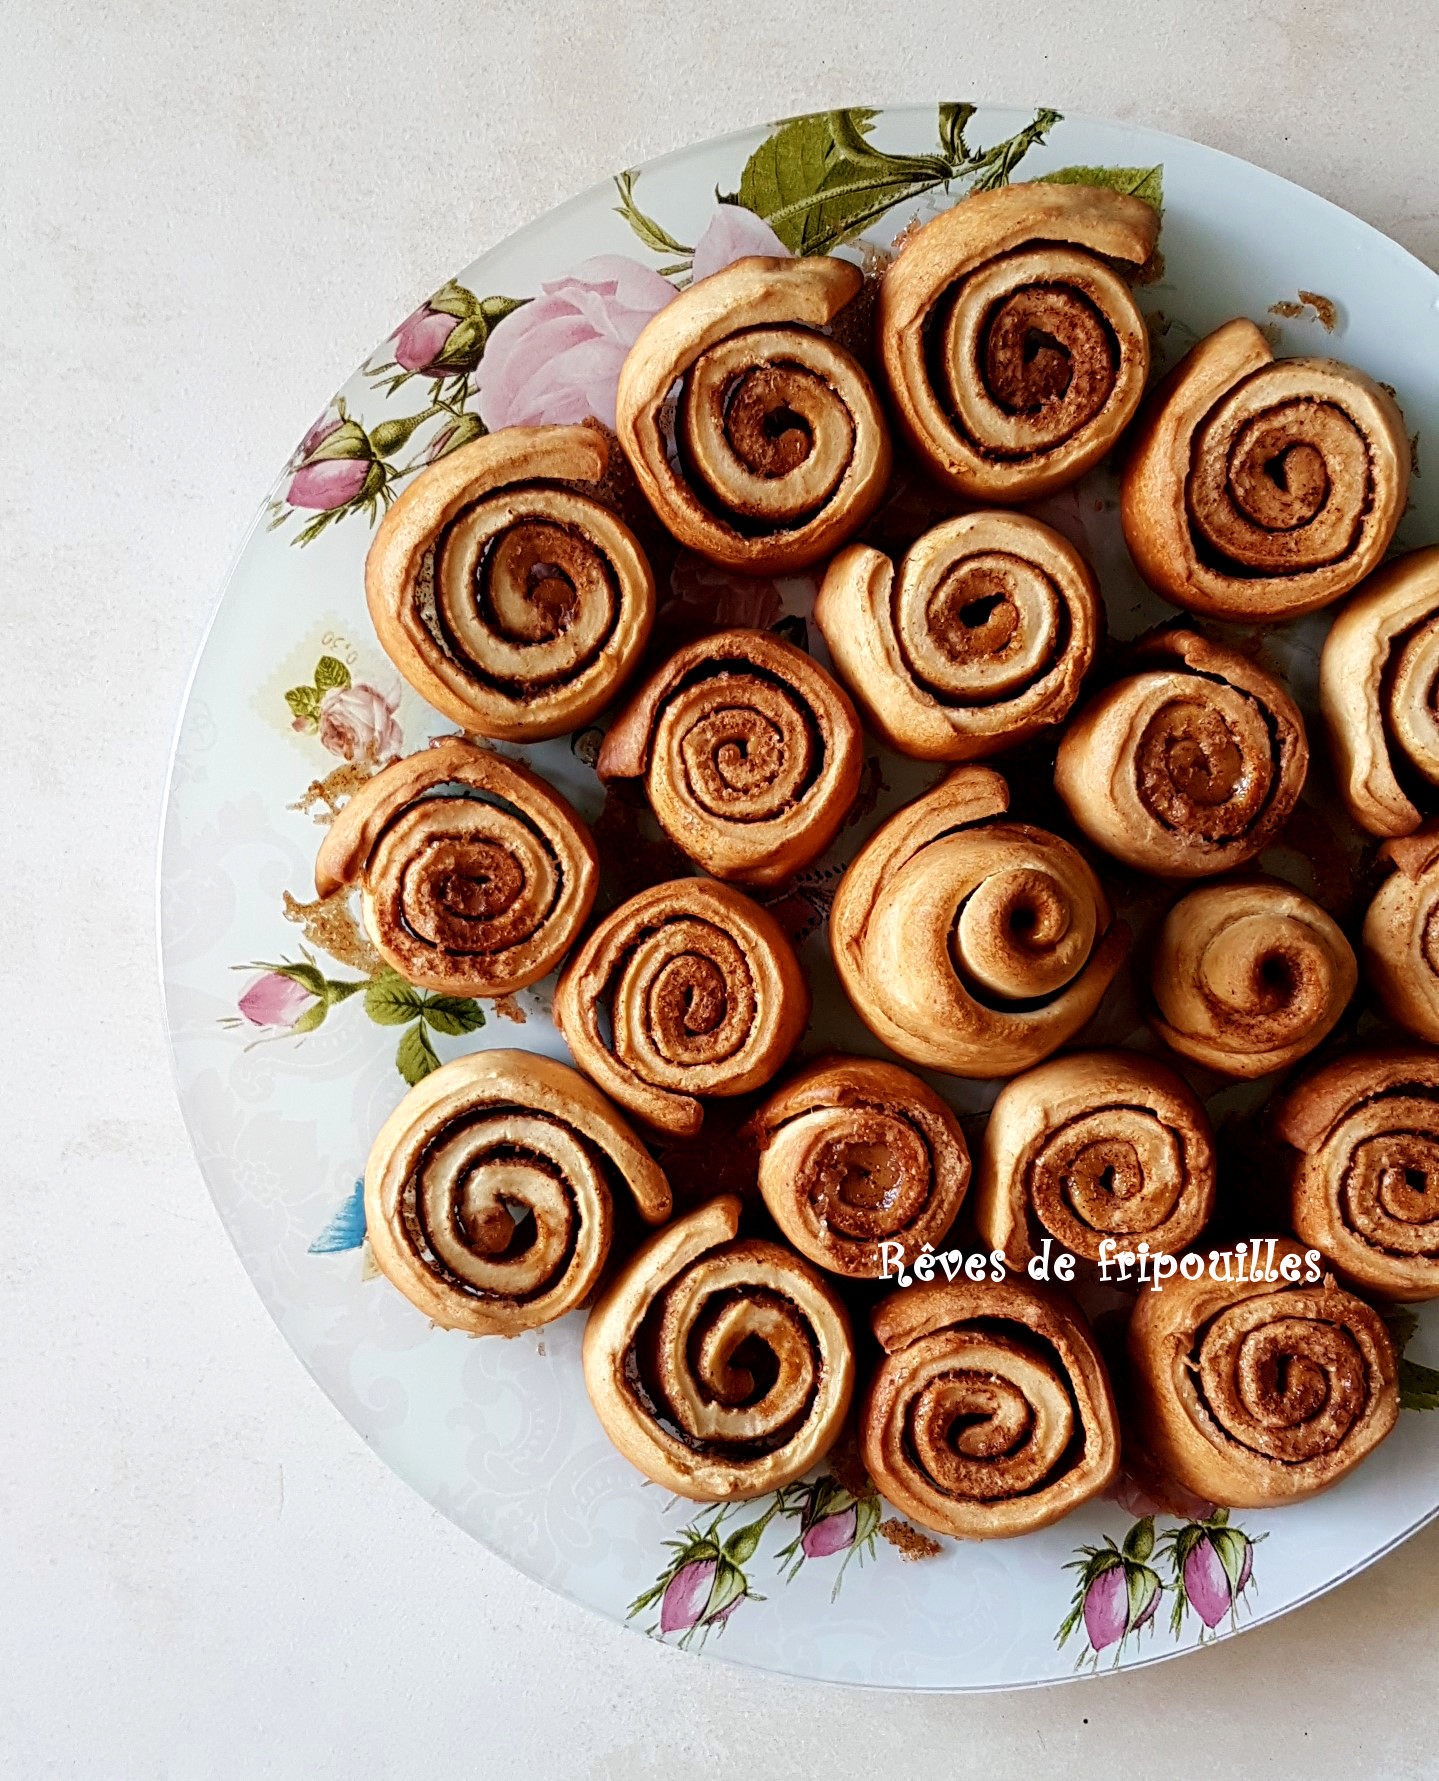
x,y
908,1541
1326,311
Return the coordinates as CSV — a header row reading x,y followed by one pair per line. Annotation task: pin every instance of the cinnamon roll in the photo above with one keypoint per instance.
x,y
978,643
968,943
513,602
749,752
490,1191
781,446
1262,1391
991,1414
1015,353
1249,978
475,876
1379,694
1365,1132
855,1153
1400,942
1260,488
687,990
721,1366
1190,765
1090,1146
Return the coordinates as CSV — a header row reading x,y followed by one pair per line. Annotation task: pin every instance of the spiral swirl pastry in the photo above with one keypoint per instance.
x,y
1257,1392
687,990
968,944
1379,694
721,1366
1365,1188
514,603
749,751
978,643
490,1191
1014,352
1248,978
990,1414
1095,1145
475,876
1260,488
1400,942
854,1152
781,445
1190,765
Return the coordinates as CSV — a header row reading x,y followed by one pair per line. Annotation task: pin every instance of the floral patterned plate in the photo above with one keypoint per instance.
x,y
292,1043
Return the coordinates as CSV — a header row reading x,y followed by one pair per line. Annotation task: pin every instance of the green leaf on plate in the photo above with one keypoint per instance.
x,y
1418,1386
992,167
953,121
415,1057
818,181
792,629
391,1002
655,238
1401,1323
304,703
331,672
453,1015
1138,182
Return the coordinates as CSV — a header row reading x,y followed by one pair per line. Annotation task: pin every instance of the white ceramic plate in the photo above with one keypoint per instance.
x,y
285,1070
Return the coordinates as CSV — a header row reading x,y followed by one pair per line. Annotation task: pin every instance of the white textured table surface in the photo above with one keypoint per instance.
x,y
209,214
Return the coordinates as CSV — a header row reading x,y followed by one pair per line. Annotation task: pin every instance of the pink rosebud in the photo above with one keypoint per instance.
x,y
330,483
687,1596
733,234
421,338
831,1534
1149,1593
1106,1607
1206,1584
274,1000
558,359
358,724
328,423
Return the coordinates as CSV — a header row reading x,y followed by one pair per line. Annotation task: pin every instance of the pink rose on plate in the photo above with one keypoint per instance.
x,y
358,724
558,358
733,234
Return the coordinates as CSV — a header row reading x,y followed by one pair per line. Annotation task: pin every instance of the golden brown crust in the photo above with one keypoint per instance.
x,y
1249,977
1259,1393
515,605
977,643
475,1138
1400,942
1095,1145
687,990
1365,1130
970,944
960,307
1189,765
665,1360
1377,680
473,896
855,1152
749,751
991,1414
1260,488
746,349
